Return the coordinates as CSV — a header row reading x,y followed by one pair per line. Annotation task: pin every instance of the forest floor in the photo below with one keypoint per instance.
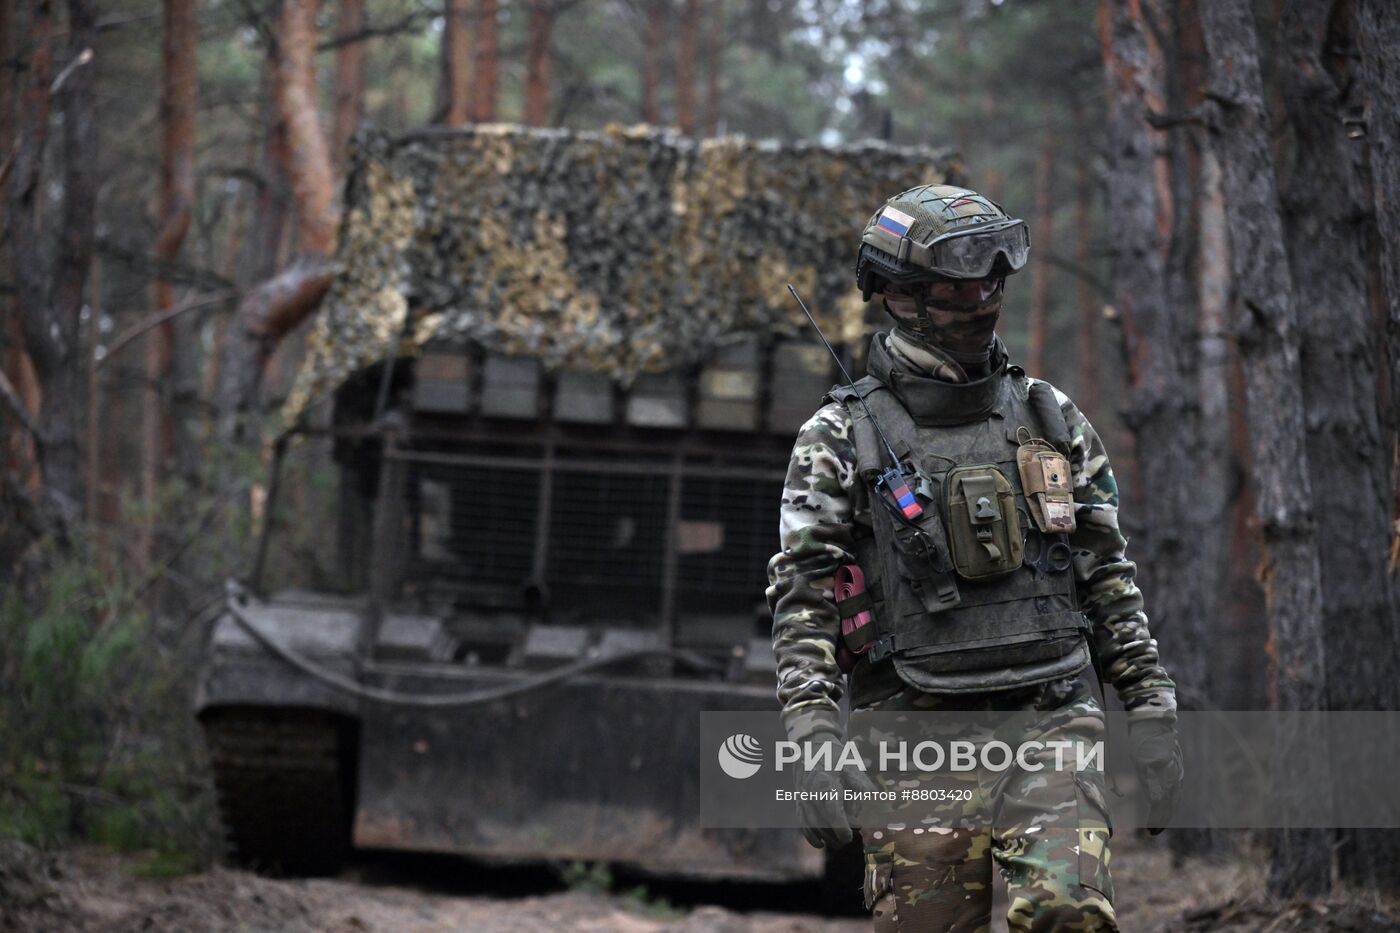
x,y
83,890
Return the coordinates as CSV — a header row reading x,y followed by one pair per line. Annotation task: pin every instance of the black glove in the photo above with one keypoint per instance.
x,y
828,823
1157,757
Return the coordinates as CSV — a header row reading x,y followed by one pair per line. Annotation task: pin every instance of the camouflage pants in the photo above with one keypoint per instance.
x,y
1047,829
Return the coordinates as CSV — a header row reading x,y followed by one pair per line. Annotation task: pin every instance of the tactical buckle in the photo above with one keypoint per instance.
x,y
924,547
880,649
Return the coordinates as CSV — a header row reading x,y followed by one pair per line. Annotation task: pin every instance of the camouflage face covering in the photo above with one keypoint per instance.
x,y
949,323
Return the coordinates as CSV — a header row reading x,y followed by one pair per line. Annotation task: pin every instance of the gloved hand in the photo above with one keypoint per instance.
x,y
1157,758
828,823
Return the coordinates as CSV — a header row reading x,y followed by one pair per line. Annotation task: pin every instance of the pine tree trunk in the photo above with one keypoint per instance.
x,y
309,168
1161,411
50,283
178,104
1215,475
537,62
1204,500
269,215
349,78
1341,361
486,76
1266,322
19,451
1089,305
1040,270
267,312
456,64
714,66
1378,33
685,66
7,77
652,49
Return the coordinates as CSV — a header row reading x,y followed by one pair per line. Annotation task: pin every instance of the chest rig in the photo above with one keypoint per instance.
x,y
973,594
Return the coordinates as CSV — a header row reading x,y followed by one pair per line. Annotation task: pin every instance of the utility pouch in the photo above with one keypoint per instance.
x,y
928,577
1045,478
983,529
921,559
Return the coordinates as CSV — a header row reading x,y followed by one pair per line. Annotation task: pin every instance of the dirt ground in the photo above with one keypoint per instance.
x,y
85,890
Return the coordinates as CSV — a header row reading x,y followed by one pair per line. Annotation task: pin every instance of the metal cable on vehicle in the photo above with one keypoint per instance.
x,y
539,681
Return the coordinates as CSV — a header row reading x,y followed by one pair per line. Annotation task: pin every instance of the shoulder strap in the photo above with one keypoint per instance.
x,y
845,394
1051,417
870,453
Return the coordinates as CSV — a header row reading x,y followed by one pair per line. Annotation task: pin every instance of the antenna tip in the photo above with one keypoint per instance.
x,y
791,289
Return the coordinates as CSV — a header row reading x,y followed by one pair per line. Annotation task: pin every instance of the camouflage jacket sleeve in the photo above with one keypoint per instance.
x,y
1127,651
815,533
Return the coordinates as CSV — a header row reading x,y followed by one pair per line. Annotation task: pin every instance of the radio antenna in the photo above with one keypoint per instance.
x,y
849,381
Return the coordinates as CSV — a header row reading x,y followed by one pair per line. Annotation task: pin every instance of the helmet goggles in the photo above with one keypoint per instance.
x,y
977,252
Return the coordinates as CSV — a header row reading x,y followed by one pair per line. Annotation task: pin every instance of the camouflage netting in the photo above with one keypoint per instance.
x,y
625,251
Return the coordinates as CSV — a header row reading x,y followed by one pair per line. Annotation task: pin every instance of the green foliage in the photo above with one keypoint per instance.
x,y
642,901
168,864
95,740
597,878
586,877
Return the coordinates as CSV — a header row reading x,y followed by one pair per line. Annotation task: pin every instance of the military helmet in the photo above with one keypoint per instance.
x,y
939,231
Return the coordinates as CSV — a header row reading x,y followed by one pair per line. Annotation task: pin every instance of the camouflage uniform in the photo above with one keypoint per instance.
x,y
1047,830
822,502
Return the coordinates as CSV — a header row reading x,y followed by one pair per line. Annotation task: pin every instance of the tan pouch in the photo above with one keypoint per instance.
x,y
983,530
1045,478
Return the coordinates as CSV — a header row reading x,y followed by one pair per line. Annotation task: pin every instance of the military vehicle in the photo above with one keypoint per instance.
x,y
568,501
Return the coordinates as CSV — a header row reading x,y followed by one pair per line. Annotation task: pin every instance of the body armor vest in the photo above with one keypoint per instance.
x,y
971,596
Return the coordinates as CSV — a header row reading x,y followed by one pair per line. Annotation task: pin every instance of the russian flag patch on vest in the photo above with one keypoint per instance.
x,y
895,221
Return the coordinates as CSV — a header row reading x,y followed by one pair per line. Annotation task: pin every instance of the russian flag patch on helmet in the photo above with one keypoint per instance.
x,y
895,221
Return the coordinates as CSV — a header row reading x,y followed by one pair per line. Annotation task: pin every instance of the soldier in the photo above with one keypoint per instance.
x,y
994,569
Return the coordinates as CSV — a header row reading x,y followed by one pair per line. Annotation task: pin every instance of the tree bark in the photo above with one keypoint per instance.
x,y
259,258
652,49
1341,361
456,62
308,157
486,76
265,315
1205,505
1161,409
350,77
1217,480
268,311
1089,305
1266,324
1040,270
50,286
1379,37
19,450
7,79
178,103
21,455
714,66
23,197
537,62
685,66
92,445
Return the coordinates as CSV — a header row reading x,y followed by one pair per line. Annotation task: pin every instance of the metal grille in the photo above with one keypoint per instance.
x,y
740,518
593,530
473,523
607,540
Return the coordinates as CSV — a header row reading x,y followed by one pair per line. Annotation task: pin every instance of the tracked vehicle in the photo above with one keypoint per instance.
x,y
570,503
